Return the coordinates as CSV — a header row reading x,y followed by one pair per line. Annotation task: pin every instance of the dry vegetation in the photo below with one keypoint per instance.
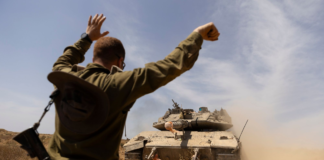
x,y
10,149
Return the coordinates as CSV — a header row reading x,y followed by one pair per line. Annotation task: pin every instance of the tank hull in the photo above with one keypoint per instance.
x,y
217,145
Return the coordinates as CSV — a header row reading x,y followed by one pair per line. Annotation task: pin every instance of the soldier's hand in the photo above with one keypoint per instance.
x,y
94,26
208,31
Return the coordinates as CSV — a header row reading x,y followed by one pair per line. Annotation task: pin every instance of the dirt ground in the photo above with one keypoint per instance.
x,y
10,149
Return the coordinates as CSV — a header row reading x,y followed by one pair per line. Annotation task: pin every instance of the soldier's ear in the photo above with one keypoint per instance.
x,y
120,62
92,59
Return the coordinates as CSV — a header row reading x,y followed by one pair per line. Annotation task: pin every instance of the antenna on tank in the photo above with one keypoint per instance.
x,y
175,104
243,130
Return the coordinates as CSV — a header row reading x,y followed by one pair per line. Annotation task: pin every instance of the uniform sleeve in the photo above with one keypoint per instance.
x,y
131,85
72,55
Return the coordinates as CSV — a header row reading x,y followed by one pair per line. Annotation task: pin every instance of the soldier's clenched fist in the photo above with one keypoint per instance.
x,y
208,31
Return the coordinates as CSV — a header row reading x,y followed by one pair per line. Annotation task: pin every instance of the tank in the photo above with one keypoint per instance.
x,y
198,135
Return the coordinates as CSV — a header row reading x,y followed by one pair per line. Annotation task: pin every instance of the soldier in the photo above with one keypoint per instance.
x,y
123,88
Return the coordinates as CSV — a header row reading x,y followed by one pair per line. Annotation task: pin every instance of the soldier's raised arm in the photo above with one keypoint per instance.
x,y
133,84
75,54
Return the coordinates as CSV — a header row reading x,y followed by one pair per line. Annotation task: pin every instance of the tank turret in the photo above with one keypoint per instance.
x,y
188,119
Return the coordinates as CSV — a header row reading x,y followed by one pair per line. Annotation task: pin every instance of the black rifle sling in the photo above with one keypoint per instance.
x,y
47,108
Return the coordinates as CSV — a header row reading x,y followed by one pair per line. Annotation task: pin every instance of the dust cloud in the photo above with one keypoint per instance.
x,y
263,141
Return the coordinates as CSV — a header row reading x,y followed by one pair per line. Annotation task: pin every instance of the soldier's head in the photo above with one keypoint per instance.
x,y
109,51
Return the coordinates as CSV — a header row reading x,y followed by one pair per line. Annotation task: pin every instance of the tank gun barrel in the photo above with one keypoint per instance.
x,y
180,125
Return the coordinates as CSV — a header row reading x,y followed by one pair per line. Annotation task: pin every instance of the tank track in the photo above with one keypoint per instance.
x,y
134,155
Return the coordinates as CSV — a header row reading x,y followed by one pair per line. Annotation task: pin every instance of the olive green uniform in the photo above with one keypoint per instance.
x,y
123,89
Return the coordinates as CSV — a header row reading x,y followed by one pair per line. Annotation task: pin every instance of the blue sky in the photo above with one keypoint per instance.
x,y
267,65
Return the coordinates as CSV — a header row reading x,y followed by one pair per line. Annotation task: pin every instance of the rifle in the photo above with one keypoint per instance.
x,y
29,138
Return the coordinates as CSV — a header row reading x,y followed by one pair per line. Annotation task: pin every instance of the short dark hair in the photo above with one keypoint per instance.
x,y
108,49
